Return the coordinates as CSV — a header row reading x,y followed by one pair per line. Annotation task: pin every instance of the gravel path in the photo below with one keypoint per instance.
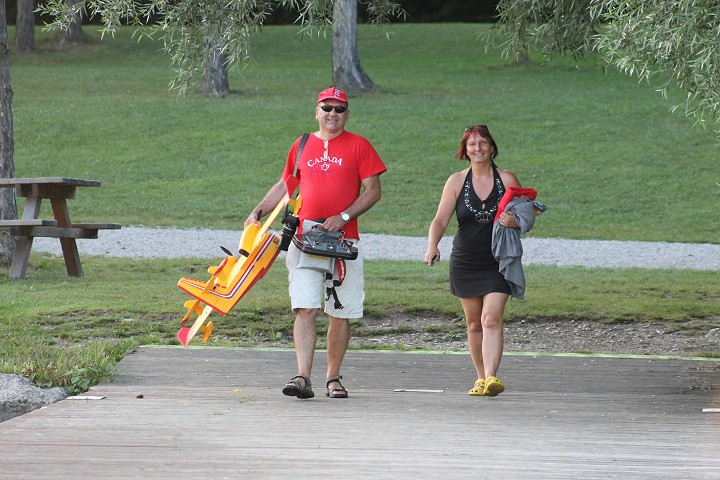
x,y
545,335
139,242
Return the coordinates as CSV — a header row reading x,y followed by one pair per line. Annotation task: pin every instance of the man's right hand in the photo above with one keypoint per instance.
x,y
253,218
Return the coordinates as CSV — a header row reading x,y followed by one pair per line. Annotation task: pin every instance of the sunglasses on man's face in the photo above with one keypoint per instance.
x,y
329,108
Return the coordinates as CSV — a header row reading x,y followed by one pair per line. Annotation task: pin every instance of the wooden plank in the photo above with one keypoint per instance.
x,y
47,187
6,224
219,413
49,190
97,226
53,232
11,182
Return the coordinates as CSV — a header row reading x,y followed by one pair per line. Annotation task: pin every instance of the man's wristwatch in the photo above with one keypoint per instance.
x,y
345,217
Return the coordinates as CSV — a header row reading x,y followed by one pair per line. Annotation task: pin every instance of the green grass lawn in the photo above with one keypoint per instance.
x,y
71,331
603,151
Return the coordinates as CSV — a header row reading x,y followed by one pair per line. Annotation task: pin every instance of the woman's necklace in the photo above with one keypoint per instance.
x,y
483,215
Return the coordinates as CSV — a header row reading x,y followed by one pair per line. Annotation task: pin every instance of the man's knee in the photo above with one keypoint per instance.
x,y
306,314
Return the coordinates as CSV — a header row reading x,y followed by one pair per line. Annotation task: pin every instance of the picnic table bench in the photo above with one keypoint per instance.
x,y
58,190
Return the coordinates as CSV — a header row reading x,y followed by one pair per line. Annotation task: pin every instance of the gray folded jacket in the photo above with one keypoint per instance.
x,y
507,246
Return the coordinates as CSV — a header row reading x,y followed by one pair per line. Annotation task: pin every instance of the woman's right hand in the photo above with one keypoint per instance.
x,y
432,256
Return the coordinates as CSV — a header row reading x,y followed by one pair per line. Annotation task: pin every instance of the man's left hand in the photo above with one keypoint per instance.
x,y
334,223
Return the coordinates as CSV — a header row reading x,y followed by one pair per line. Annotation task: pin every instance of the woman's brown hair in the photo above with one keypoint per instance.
x,y
481,130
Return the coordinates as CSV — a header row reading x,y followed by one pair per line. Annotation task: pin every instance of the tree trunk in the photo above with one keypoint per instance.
x,y
73,33
215,77
25,22
348,74
521,55
8,207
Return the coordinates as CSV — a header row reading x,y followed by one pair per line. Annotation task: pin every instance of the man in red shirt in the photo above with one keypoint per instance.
x,y
339,179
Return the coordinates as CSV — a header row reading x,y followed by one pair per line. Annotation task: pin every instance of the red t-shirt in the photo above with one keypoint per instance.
x,y
330,174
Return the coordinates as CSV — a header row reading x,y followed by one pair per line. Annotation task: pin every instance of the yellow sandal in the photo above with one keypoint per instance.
x,y
479,389
493,387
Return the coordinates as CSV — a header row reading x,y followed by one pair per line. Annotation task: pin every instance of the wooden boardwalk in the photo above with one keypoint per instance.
x,y
210,413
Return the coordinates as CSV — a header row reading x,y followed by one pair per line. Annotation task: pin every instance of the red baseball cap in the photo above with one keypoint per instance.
x,y
332,93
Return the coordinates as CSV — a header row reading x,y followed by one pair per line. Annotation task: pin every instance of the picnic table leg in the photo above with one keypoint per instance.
x,y
20,260
69,246
32,208
21,257
72,257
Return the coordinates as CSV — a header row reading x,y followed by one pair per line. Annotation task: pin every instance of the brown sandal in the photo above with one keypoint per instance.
x,y
335,392
294,388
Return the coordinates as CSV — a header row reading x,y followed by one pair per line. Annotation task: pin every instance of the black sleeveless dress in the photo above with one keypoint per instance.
x,y
473,269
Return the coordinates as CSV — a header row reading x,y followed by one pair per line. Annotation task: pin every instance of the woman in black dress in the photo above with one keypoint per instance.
x,y
473,195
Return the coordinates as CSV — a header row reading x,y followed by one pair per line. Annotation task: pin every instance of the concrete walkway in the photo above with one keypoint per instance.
x,y
211,413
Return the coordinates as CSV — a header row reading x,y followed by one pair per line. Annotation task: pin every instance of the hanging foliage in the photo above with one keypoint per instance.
x,y
673,42
676,42
186,27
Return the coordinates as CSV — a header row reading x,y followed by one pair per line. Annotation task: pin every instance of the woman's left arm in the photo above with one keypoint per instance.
x,y
509,179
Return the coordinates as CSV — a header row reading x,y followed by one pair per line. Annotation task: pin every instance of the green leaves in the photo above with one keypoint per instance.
x,y
673,42
554,26
192,30
676,42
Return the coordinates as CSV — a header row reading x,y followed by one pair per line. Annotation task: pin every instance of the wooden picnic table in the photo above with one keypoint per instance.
x,y
58,190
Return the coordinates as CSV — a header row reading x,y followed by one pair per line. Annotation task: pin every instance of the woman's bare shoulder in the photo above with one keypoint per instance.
x,y
456,180
459,176
509,179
